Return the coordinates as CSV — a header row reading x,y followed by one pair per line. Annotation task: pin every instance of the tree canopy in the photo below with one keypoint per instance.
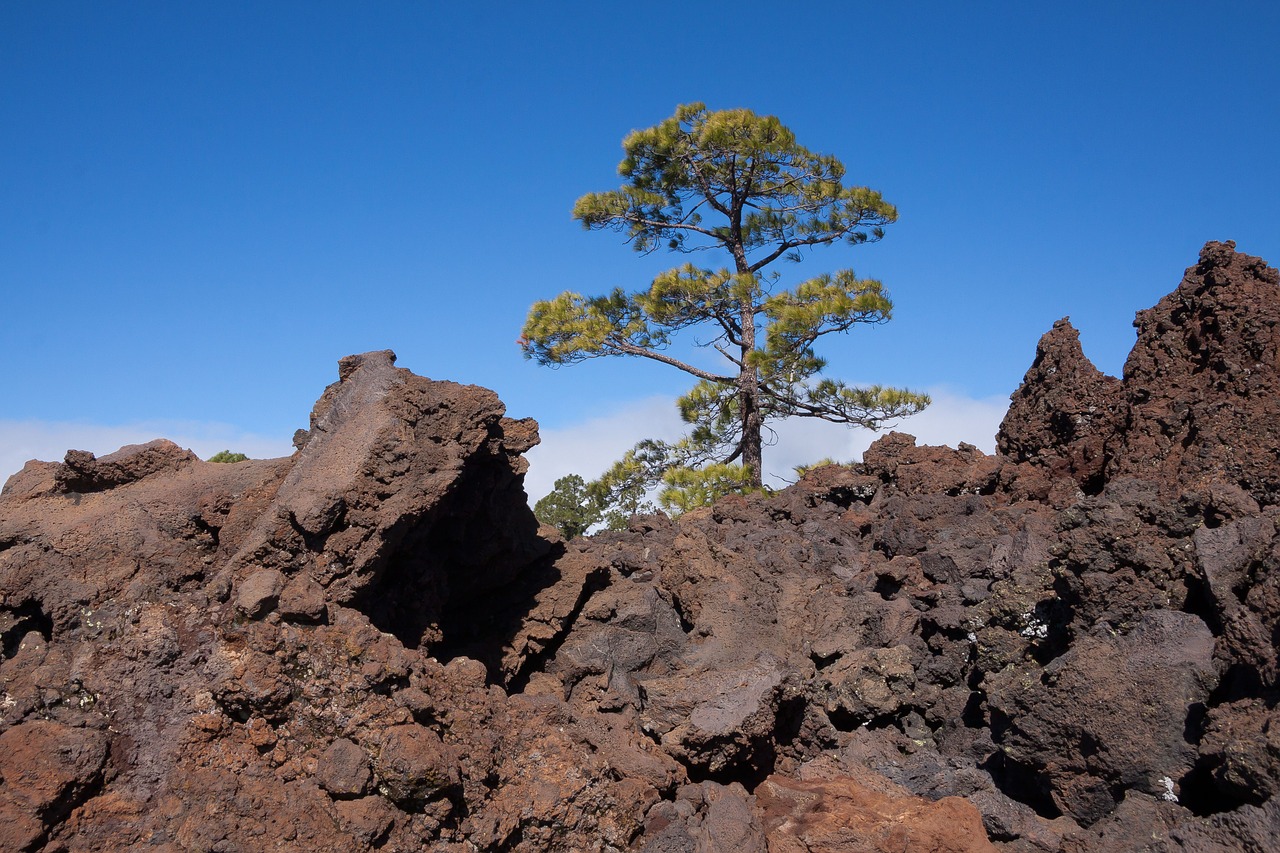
x,y
575,506
568,507
736,182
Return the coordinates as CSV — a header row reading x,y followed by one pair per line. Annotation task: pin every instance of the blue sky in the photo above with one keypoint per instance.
x,y
207,204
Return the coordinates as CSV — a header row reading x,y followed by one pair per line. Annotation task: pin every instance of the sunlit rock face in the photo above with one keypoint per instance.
x,y
1067,646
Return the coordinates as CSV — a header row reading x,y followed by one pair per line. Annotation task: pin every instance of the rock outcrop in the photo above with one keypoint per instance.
x,y
1068,646
1064,413
1201,386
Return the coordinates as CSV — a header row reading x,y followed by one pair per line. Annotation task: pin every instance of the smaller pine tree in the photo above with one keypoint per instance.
x,y
568,507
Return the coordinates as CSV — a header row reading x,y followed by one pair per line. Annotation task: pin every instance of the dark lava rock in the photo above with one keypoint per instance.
x,y
343,770
1202,384
1098,719
414,766
1068,646
1064,413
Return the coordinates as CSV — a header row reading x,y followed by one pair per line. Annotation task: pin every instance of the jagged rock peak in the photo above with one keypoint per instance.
x,y
1200,399
1065,411
179,631
1202,383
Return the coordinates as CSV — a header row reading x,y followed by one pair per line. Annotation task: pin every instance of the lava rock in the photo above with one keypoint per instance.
x,y
344,771
413,766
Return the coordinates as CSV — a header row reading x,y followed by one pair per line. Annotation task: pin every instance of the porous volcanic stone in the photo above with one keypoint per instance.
x,y
343,770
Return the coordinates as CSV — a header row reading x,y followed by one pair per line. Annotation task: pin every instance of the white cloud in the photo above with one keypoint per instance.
x,y
49,441
951,419
589,448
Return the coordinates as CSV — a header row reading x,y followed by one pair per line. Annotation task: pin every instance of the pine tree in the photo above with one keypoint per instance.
x,y
738,182
568,507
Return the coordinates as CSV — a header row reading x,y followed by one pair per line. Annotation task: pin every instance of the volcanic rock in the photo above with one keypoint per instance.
x,y
343,770
1202,385
48,769
414,765
1067,646
201,652
839,814
1064,413
1096,720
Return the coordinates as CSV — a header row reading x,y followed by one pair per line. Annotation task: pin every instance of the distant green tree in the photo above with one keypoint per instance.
x,y
227,456
568,507
626,488
738,182
623,490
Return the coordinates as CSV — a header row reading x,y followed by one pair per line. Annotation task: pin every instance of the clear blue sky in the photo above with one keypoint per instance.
x,y
207,203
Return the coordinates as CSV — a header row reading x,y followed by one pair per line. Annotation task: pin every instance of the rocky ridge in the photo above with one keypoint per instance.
x,y
1068,646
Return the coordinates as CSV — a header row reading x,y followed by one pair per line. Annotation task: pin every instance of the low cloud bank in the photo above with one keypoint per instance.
x,y
589,448
49,441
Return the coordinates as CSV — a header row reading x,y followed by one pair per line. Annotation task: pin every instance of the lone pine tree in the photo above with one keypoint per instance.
x,y
738,182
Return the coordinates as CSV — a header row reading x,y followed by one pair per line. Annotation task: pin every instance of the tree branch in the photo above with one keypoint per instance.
x,y
810,410
788,245
632,349
737,451
705,184
654,223
721,350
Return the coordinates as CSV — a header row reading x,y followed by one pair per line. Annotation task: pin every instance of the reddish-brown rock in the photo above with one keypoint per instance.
x,y
1068,646
1065,412
343,770
414,766
83,472
47,769
1241,749
1202,385
842,815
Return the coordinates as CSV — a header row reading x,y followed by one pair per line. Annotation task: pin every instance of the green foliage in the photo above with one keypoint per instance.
x,y
701,162
568,507
227,456
574,506
623,490
738,182
801,470
687,488
683,471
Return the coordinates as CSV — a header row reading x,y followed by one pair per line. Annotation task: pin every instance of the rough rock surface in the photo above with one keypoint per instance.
x,y
1064,413
1068,646
1201,385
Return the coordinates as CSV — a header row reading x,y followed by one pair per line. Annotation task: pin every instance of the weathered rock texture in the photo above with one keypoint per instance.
x,y
1069,646
1064,413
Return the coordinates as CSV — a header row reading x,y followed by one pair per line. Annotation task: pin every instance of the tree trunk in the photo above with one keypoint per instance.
x,y
752,426
748,382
